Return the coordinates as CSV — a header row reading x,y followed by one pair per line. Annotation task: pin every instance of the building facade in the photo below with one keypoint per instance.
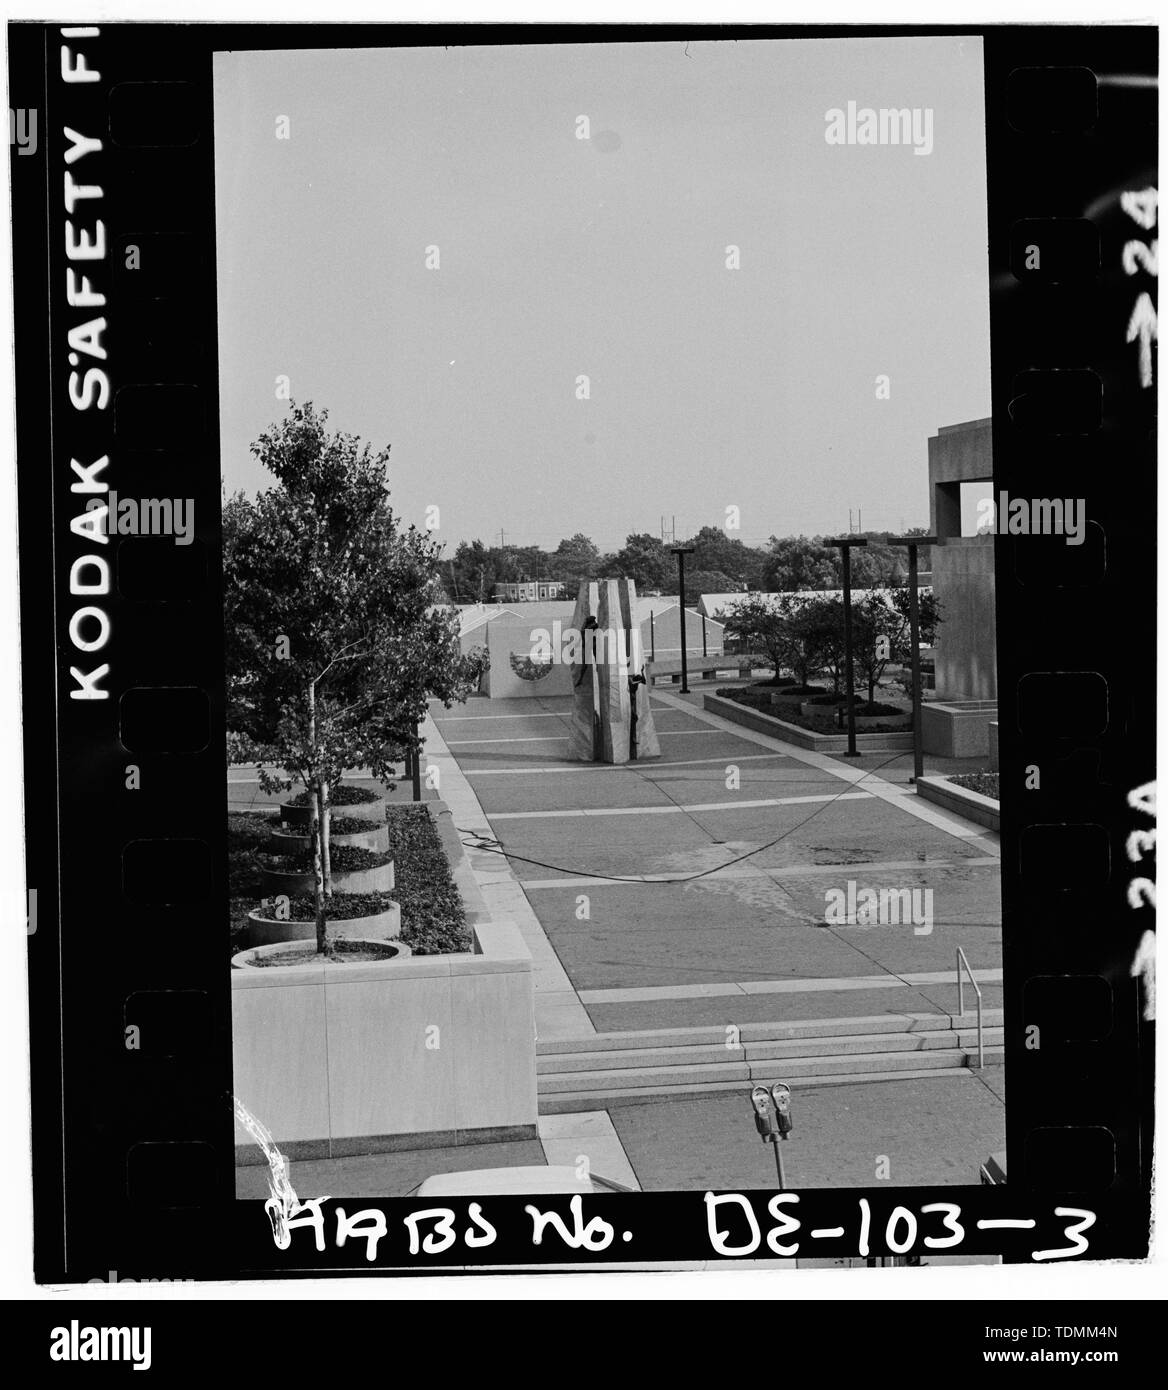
x,y
528,591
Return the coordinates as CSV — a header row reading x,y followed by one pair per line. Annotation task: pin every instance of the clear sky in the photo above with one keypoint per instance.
x,y
606,257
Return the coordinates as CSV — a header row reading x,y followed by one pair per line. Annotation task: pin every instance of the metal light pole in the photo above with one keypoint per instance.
x,y
681,552
914,620
845,543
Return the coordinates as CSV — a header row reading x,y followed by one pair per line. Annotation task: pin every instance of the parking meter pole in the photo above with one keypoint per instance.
x,y
779,1160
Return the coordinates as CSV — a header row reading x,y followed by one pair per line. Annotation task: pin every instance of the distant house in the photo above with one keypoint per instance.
x,y
528,591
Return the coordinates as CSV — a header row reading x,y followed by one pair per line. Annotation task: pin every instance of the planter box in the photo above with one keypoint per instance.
x,y
376,839
340,1060
957,728
473,902
993,742
359,810
961,801
834,742
380,926
378,880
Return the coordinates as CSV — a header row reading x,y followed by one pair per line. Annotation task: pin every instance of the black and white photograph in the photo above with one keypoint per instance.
x,y
586,642
603,512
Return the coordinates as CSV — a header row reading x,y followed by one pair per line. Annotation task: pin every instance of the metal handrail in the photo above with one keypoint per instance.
x,y
963,960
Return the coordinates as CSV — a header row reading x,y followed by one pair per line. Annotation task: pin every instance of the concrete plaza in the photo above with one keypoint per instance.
x,y
689,892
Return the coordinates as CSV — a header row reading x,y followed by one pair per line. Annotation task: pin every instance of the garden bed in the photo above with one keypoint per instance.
x,y
433,917
984,783
951,794
799,732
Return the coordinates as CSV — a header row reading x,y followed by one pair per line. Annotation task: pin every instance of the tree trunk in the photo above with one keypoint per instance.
x,y
315,830
326,816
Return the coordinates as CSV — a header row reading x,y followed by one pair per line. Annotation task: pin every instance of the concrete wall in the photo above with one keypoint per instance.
x,y
507,636
959,729
338,1063
963,566
334,1059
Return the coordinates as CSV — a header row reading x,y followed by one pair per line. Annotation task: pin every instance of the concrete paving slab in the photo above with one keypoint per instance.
x,y
923,1132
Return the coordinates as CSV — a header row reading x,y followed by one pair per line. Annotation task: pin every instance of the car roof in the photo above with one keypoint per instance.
x,y
542,1177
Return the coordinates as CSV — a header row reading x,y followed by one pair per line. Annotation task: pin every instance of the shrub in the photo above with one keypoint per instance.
x,y
433,920
341,795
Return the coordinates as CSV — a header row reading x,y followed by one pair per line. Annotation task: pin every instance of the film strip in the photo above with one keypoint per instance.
x,y
117,393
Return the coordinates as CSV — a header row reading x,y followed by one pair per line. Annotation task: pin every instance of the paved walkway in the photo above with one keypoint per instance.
x,y
692,889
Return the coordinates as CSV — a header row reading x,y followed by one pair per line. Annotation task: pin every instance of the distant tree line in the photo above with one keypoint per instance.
x,y
719,564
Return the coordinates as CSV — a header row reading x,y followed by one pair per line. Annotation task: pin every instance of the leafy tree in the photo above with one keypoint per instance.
x,y
708,582
799,562
716,551
645,560
881,631
574,559
790,629
333,641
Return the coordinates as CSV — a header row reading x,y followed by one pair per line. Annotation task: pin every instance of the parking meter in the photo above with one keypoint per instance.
x,y
765,1117
781,1098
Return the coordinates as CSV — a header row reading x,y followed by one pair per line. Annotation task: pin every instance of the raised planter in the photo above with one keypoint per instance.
x,y
291,814
961,801
375,839
414,1052
378,926
835,742
376,880
957,728
247,960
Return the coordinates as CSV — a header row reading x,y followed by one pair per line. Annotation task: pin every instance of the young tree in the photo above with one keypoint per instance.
x,y
881,631
788,628
333,639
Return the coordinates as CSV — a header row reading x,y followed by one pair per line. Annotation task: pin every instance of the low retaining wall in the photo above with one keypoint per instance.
x,y
802,738
961,801
416,1053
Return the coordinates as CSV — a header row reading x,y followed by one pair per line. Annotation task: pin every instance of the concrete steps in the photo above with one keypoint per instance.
x,y
635,1068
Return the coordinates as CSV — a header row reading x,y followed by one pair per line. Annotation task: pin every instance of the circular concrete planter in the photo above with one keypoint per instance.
x,y
244,960
359,810
379,926
375,839
377,880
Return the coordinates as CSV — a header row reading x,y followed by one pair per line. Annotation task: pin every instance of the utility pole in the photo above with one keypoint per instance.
x,y
681,552
914,618
844,544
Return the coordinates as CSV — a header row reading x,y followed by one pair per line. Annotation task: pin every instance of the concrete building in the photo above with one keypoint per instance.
x,y
963,566
956,723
